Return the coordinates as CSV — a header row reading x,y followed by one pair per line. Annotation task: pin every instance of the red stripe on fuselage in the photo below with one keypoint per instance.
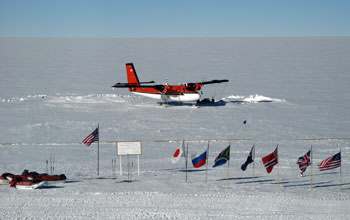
x,y
144,90
172,90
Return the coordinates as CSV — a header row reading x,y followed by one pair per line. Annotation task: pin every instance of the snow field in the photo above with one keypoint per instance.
x,y
161,192
292,92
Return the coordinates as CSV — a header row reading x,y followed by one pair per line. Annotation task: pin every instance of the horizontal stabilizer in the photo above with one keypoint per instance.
x,y
146,82
122,85
128,85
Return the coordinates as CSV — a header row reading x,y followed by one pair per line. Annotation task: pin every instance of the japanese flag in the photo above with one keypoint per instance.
x,y
177,155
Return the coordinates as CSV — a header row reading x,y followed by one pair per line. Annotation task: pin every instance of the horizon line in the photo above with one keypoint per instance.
x,y
173,37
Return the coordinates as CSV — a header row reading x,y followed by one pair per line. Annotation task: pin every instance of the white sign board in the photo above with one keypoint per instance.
x,y
129,148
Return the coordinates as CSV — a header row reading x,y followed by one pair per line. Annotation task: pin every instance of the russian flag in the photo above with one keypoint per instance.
x,y
199,160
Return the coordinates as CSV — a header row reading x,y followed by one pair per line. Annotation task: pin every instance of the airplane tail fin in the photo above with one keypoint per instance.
x,y
131,74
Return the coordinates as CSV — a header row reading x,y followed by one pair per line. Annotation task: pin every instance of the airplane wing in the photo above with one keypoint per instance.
x,y
214,81
158,87
194,86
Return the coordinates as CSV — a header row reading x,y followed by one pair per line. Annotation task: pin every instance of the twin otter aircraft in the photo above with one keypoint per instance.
x,y
188,92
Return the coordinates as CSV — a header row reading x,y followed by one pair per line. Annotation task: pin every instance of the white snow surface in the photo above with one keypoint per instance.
x,y
293,92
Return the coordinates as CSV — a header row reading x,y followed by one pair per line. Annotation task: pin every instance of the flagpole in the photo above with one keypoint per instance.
x,y
244,129
228,168
278,170
253,165
206,173
98,150
184,155
340,180
311,168
50,164
186,163
228,172
120,166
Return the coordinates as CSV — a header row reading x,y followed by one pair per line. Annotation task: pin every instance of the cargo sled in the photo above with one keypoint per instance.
x,y
29,185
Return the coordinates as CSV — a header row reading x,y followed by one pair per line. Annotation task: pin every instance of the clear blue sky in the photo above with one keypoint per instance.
x,y
177,18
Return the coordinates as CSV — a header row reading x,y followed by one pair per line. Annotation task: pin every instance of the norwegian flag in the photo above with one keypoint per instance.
x,y
330,163
270,160
91,138
304,162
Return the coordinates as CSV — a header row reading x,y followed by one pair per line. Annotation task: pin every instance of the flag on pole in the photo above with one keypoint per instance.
x,y
270,160
250,158
91,138
222,157
177,155
304,162
330,163
200,160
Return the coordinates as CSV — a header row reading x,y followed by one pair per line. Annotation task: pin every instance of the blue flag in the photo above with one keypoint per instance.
x,y
250,158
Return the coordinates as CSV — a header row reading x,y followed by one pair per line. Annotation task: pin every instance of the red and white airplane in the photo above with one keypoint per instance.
x,y
188,92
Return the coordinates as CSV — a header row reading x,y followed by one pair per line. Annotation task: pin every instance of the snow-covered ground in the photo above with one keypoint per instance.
x,y
292,91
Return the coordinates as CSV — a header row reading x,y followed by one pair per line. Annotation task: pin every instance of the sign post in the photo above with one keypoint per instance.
x,y
129,148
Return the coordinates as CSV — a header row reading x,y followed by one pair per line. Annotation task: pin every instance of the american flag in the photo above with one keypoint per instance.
x,y
270,160
330,163
304,162
91,138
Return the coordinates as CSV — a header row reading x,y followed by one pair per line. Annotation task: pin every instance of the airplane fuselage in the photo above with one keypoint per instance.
x,y
185,97
188,92
181,93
